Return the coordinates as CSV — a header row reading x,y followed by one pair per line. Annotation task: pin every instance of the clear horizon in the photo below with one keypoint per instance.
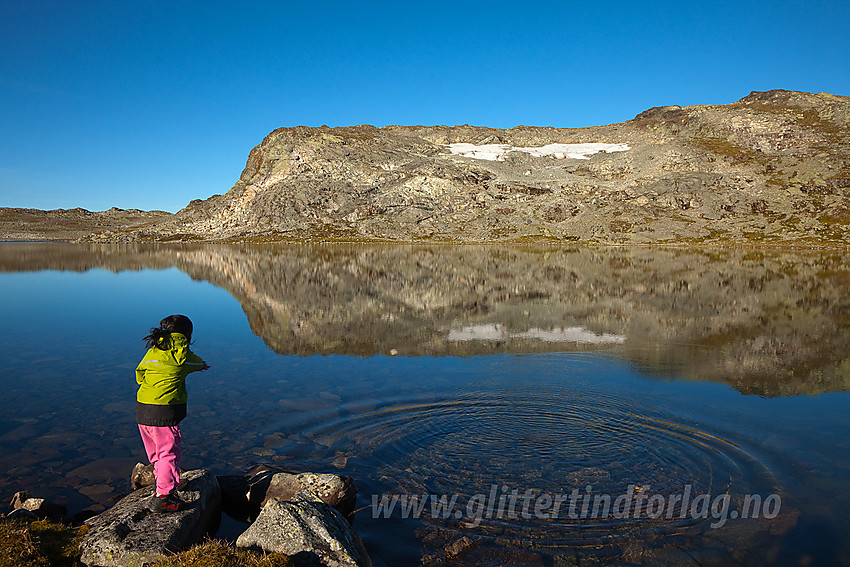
x,y
149,107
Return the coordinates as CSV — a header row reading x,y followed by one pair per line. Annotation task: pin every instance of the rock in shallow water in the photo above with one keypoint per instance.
x,y
307,529
142,476
36,507
336,490
243,496
130,534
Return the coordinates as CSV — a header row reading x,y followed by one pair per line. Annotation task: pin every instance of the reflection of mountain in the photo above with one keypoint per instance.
x,y
764,322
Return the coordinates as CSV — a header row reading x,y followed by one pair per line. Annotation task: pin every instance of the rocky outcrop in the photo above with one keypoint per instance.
x,y
130,534
773,167
307,529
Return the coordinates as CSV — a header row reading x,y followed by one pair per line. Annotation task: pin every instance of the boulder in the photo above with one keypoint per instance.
x,y
244,495
458,547
142,476
37,507
44,509
130,534
310,531
18,500
333,489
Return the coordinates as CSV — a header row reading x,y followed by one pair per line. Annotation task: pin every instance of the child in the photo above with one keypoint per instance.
x,y
161,403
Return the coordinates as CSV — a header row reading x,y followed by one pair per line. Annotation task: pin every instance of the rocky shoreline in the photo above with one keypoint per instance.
x,y
304,516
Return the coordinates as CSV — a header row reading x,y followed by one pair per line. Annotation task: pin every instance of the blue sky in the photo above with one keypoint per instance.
x,y
152,104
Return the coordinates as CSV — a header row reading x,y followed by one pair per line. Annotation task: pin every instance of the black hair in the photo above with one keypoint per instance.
x,y
161,337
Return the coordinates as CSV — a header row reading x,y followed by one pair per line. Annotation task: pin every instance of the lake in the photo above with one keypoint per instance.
x,y
554,406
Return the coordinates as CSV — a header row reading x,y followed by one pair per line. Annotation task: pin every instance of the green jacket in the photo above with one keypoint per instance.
x,y
161,375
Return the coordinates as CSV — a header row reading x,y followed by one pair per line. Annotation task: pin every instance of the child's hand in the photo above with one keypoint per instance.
x,y
206,367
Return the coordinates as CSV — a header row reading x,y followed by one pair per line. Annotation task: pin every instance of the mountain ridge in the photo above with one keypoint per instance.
x,y
772,168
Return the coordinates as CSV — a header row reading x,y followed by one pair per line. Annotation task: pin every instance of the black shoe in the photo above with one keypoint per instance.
x,y
170,503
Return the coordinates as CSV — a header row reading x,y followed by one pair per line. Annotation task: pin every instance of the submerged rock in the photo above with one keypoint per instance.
x,y
310,531
458,547
130,534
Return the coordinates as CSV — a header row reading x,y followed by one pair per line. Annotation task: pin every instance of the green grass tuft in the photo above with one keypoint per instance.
x,y
51,544
215,553
39,543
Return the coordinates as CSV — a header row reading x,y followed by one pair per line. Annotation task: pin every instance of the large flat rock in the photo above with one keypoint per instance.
x,y
129,534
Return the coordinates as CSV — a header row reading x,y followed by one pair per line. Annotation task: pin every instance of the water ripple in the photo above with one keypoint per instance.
x,y
550,442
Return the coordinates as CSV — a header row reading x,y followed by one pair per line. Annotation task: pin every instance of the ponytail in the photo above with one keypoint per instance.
x,y
161,336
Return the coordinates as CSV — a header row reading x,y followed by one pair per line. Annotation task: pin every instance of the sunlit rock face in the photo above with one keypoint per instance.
x,y
764,322
773,167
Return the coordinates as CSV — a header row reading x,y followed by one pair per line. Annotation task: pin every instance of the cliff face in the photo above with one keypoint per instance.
x,y
773,167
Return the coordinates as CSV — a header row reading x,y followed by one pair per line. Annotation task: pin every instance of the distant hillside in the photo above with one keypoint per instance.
x,y
72,224
771,168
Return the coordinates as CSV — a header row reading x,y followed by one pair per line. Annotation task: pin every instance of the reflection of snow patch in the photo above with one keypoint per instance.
x,y
478,333
498,152
570,335
495,332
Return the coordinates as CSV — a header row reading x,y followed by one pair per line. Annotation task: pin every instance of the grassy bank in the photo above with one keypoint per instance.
x,y
50,544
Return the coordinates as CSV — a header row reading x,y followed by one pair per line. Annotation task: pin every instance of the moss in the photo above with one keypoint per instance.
x,y
215,553
39,543
51,544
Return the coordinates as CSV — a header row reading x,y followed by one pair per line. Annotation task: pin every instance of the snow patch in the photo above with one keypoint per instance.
x,y
498,152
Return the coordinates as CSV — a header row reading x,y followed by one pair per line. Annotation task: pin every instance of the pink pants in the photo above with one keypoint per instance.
x,y
162,444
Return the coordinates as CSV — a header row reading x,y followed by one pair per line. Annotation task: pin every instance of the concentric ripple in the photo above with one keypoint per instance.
x,y
639,469
487,444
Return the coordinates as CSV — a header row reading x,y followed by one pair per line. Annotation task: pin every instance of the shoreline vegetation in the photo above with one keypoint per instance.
x,y
542,243
46,543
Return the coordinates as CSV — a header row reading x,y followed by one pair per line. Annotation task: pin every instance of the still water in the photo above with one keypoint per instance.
x,y
538,391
